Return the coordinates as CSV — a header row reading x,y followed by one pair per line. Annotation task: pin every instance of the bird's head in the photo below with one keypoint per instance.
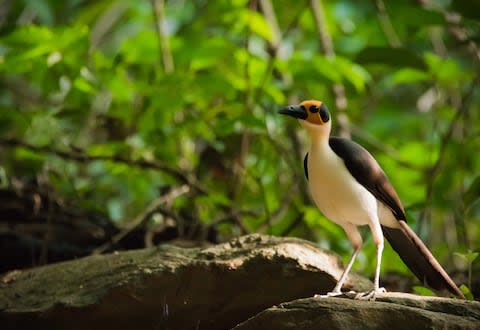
x,y
312,114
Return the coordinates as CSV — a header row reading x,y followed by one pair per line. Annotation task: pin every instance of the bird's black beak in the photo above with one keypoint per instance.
x,y
296,111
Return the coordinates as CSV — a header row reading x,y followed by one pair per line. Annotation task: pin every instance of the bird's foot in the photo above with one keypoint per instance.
x,y
332,294
370,295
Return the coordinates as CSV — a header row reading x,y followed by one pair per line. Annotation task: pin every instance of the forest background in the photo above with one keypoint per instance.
x,y
125,124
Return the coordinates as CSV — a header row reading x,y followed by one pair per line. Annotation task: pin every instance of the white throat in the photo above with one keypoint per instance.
x,y
319,134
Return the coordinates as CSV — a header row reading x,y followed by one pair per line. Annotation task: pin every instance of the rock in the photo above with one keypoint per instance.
x,y
169,287
389,311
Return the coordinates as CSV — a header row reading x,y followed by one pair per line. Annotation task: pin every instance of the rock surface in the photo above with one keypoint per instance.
x,y
389,311
169,287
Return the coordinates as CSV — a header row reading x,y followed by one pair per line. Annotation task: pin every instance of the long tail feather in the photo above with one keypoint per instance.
x,y
419,259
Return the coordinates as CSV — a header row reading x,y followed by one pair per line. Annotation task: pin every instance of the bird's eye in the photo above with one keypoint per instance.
x,y
324,113
314,109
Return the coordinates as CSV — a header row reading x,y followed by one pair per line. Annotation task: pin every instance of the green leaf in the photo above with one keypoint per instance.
x,y
423,291
395,57
108,149
467,292
338,69
242,19
469,257
251,121
28,162
446,71
29,35
207,54
315,219
42,9
275,93
421,17
473,192
44,128
84,85
469,9
141,48
258,24
351,72
324,67
408,76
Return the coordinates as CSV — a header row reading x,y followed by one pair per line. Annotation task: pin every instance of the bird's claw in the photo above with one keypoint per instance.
x,y
370,295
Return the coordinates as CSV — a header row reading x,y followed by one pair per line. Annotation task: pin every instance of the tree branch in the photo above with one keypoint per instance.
x,y
81,156
386,25
433,172
159,13
139,219
274,46
326,43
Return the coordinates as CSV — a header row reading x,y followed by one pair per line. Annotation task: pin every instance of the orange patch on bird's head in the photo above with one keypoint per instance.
x,y
308,103
317,112
310,112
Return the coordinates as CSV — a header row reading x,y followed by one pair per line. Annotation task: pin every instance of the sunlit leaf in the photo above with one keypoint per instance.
x,y
256,23
423,291
447,71
88,76
352,72
467,292
409,75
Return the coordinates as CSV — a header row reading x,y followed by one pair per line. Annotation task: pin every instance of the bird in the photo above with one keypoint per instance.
x,y
350,188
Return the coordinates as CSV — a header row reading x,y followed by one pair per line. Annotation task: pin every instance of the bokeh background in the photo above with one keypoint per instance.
x,y
126,124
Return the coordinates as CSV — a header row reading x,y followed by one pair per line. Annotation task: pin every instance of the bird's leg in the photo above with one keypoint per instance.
x,y
378,238
376,281
338,288
356,240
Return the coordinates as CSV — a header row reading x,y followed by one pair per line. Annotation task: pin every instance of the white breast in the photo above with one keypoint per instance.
x,y
336,192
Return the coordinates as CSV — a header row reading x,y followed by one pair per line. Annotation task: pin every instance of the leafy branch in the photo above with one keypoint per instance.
x,y
338,89
82,156
160,25
434,170
142,217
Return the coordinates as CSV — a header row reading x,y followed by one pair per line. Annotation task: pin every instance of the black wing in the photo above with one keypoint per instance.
x,y
305,167
365,169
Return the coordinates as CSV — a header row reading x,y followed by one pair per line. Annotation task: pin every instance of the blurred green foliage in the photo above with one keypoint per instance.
x,y
91,78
